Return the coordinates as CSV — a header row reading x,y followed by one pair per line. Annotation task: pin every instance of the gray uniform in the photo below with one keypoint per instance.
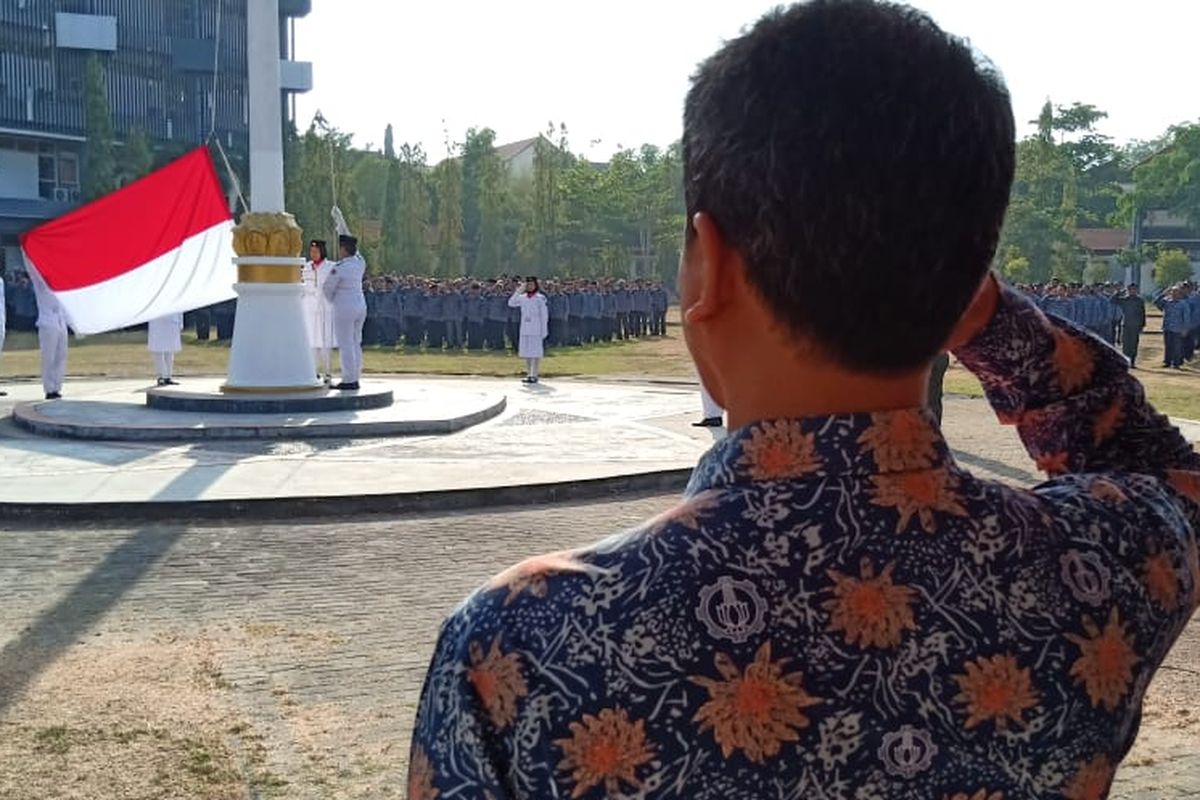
x,y
454,312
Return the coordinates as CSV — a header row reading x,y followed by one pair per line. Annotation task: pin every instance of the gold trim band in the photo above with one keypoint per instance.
x,y
227,389
268,273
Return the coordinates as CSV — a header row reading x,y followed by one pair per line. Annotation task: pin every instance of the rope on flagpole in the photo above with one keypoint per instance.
x,y
339,222
212,128
237,185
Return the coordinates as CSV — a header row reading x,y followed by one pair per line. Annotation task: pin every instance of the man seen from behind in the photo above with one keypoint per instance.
x,y
837,608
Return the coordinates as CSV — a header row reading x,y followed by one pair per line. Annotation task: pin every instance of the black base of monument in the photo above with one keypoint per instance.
x,y
306,402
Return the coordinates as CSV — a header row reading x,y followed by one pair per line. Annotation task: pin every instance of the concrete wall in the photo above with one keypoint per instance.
x,y
521,165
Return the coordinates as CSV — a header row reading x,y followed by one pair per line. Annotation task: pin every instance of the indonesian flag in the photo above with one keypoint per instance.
x,y
161,245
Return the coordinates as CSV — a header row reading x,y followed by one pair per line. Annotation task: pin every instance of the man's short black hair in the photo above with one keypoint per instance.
x,y
860,160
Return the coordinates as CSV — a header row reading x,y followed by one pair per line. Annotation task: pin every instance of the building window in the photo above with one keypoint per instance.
x,y
47,177
68,170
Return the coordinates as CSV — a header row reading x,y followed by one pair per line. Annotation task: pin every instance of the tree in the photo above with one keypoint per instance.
x,y
549,160
480,165
407,219
1172,267
389,145
1096,162
99,164
368,179
137,158
448,180
489,255
1043,210
317,167
1170,179
1016,269
1036,235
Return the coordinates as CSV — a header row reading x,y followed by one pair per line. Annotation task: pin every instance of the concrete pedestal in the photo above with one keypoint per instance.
x,y
270,350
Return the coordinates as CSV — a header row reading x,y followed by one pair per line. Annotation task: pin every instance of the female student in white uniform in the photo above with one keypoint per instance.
x,y
164,340
535,325
318,315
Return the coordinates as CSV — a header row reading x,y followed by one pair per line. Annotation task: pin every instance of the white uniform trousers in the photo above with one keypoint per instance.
x,y
164,364
348,327
52,340
709,406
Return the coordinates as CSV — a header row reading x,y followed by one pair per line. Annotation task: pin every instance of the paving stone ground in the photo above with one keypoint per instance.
x,y
237,661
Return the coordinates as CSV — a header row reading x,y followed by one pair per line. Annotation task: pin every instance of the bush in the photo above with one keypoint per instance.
x,y
1172,267
1097,272
1018,270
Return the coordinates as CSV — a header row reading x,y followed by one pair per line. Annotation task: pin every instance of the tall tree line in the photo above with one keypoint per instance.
x,y
1070,175
471,213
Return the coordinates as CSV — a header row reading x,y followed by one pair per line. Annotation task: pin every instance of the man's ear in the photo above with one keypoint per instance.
x,y
708,269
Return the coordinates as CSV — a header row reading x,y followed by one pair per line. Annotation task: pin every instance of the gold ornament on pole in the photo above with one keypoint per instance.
x,y
268,235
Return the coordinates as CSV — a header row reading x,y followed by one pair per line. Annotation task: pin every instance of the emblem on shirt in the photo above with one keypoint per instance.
x,y
908,751
1086,576
732,609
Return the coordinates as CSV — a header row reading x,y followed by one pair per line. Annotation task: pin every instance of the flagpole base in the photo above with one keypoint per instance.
x,y
271,352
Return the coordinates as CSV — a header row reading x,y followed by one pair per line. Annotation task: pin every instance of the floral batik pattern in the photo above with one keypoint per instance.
x,y
838,609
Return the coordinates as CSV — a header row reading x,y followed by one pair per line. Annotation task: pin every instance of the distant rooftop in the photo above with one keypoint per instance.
x,y
508,152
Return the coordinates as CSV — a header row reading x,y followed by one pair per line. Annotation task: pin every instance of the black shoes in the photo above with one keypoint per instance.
x,y
53,396
347,387
167,382
529,379
709,422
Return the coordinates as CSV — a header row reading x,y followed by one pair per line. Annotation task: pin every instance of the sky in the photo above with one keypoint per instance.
x,y
616,72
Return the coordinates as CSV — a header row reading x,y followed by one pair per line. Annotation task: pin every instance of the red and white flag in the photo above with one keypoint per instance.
x,y
161,245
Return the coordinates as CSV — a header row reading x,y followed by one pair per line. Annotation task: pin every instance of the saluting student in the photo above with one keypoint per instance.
x,y
164,339
535,325
1133,321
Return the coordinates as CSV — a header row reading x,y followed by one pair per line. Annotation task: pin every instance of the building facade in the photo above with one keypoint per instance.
x,y
158,57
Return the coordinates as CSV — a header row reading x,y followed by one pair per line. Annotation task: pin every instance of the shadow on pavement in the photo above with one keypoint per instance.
x,y
59,627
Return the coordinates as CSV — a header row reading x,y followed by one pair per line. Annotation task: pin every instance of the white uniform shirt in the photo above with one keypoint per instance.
x,y
51,314
165,334
343,286
535,315
318,315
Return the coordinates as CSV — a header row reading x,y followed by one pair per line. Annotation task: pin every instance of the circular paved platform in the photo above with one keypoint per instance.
x,y
199,397
198,411
558,440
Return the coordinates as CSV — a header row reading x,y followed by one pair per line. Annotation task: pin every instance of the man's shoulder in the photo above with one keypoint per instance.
x,y
552,586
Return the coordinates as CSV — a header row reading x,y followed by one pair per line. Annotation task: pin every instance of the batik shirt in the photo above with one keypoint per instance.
x,y
838,610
